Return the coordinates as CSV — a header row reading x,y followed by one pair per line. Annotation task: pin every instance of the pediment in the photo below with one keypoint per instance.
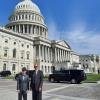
x,y
63,43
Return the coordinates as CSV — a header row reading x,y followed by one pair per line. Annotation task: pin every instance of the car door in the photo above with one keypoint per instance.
x,y
66,75
58,76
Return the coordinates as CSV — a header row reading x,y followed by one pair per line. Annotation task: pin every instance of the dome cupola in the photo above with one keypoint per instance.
x,y
27,5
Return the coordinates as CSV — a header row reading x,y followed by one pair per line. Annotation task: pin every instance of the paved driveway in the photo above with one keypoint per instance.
x,y
54,91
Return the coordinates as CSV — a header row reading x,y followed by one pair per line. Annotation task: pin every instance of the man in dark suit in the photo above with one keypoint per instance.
x,y
22,85
36,83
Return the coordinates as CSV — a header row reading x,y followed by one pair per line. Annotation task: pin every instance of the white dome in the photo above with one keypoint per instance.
x,y
27,5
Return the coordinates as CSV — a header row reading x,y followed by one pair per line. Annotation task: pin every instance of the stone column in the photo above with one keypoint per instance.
x,y
39,31
58,54
61,55
55,55
42,32
31,29
68,56
15,28
24,29
46,52
35,30
19,28
27,29
21,17
50,54
39,51
64,55
43,53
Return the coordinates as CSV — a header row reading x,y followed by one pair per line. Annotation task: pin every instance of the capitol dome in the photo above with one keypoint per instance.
x,y
27,5
27,19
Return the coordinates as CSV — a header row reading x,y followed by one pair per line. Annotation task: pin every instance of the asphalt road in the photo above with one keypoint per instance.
x,y
54,91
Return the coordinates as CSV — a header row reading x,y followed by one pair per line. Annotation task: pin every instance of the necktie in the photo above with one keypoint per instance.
x,y
23,77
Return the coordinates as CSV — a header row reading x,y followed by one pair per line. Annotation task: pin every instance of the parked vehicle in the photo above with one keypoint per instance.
x,y
29,72
72,75
5,73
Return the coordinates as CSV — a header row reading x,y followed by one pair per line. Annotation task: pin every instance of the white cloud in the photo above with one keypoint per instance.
x,y
52,30
81,40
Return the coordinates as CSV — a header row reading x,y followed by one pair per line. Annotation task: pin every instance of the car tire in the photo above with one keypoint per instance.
x,y
73,81
52,80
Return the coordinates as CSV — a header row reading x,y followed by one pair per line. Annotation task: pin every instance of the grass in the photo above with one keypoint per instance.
x,y
92,78
12,77
8,77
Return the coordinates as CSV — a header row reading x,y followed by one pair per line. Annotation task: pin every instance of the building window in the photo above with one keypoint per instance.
x,y
22,45
4,67
22,66
27,46
14,53
33,17
14,43
28,55
22,54
13,67
48,68
22,16
5,53
6,40
25,16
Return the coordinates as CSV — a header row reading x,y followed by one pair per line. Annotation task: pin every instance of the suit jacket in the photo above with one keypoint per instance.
x,y
36,80
23,83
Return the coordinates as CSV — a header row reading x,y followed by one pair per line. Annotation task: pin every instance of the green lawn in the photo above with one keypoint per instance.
x,y
92,77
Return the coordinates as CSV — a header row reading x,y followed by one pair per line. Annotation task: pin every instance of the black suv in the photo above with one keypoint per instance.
x,y
29,73
72,75
5,73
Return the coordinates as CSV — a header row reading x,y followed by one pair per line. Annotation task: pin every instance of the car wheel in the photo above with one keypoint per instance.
x,y
73,81
52,80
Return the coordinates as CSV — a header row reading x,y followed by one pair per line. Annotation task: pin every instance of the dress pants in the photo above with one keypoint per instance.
x,y
22,94
36,95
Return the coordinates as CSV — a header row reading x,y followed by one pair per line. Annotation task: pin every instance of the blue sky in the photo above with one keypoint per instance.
x,y
76,21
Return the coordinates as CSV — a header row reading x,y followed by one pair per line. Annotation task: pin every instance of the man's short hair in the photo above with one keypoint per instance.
x,y
24,69
36,65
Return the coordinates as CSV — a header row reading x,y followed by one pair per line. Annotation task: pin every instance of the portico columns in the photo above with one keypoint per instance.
x,y
40,51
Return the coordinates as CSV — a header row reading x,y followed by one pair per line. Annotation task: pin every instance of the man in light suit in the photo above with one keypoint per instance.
x,y
22,85
36,83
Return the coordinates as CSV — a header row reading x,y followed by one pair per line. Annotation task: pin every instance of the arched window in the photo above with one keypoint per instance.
x,y
13,67
53,68
4,67
28,54
22,54
14,53
5,52
22,16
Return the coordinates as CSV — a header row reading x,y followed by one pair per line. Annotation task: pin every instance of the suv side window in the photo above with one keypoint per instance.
x,y
65,71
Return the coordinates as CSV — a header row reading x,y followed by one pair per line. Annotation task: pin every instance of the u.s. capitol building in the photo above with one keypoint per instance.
x,y
24,42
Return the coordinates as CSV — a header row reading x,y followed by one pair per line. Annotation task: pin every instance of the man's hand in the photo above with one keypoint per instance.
x,y
18,91
40,89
